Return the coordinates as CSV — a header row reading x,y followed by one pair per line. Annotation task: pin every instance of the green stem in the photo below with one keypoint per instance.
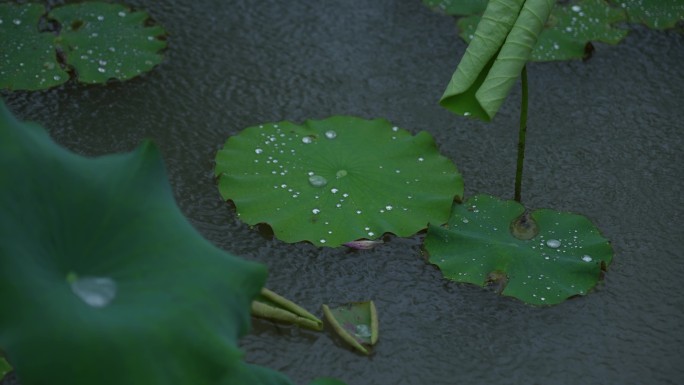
x,y
521,137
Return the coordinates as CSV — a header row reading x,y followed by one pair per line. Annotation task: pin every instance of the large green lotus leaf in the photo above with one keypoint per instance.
x,y
493,61
104,41
458,7
658,14
564,259
570,27
28,60
102,279
336,180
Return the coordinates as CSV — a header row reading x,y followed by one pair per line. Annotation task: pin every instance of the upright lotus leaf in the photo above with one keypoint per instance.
x,y
501,46
272,306
337,180
102,279
103,41
356,323
570,27
657,14
28,60
458,7
563,257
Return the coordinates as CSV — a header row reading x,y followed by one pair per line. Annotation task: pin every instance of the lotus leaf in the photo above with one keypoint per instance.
x,y
571,26
493,61
28,60
657,14
97,41
102,279
458,7
336,180
564,258
104,41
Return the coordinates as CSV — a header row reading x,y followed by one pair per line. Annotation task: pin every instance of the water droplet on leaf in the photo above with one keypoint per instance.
x,y
317,181
553,243
330,134
94,291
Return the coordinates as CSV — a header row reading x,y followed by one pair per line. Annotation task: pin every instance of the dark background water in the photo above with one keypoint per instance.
x,y
605,139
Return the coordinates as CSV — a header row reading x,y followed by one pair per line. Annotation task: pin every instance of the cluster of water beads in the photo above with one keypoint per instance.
x,y
287,147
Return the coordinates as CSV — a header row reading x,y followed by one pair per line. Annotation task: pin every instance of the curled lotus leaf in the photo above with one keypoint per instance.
x,y
568,31
564,255
337,180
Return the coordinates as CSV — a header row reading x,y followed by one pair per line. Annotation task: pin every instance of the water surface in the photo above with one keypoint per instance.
x,y
604,140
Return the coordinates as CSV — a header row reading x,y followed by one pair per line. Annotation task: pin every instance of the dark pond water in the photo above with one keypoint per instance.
x,y
605,140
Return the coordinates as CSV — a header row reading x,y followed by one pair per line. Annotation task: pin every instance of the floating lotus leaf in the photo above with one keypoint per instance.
x,y
570,27
97,41
103,41
356,323
458,7
337,180
102,279
28,60
563,257
657,14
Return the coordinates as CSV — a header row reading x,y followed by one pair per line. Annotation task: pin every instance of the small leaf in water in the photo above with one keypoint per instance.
x,y
356,323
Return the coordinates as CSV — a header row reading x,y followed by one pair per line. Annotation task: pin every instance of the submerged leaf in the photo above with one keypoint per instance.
x,y
356,323
28,60
564,259
103,280
492,63
337,180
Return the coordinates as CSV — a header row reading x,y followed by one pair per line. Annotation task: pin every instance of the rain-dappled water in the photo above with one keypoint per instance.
x,y
604,140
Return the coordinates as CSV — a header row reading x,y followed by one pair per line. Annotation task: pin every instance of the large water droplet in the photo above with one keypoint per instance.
x,y
317,181
307,140
94,291
341,173
363,331
587,258
330,134
553,243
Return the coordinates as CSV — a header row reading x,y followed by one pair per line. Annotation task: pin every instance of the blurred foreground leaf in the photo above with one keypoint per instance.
x,y
102,279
